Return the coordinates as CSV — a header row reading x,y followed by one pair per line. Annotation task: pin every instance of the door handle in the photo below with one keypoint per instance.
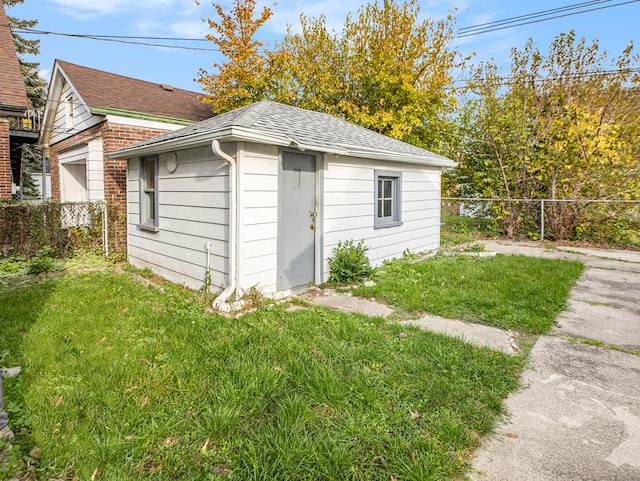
x,y
312,226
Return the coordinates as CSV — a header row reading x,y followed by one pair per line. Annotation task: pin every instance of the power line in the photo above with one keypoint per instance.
x,y
129,40
126,37
516,20
90,35
541,13
510,79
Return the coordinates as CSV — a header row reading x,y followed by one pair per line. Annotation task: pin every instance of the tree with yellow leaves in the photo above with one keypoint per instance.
x,y
387,70
242,79
561,126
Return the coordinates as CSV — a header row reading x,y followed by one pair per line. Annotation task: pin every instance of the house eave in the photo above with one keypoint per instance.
x,y
7,110
232,134
229,134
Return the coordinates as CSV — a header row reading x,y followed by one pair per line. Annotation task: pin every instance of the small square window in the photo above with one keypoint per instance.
x,y
148,193
388,199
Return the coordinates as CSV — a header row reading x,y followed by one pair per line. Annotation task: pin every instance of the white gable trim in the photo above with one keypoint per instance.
x,y
149,124
54,98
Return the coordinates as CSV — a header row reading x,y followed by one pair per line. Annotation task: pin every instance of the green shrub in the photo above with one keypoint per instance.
x,y
349,262
42,262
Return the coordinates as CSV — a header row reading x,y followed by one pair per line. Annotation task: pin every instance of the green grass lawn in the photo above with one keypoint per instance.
x,y
121,381
510,292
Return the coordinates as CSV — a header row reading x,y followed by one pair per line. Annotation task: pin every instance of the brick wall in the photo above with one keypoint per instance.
x,y
114,137
5,160
115,170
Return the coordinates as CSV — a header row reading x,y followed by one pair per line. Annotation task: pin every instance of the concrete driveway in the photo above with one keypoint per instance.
x,y
578,415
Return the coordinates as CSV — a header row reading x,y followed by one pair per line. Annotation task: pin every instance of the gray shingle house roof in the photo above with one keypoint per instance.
x,y
275,123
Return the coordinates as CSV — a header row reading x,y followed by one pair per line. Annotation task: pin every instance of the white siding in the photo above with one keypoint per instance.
x,y
86,161
192,211
348,211
82,118
95,170
73,175
258,167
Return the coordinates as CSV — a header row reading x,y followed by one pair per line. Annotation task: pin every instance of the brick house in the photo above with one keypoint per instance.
x,y
91,112
13,105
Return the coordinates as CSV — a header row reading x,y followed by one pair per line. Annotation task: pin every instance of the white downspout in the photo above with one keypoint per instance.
x,y
220,301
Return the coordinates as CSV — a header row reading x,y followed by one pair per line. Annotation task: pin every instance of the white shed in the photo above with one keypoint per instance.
x,y
260,196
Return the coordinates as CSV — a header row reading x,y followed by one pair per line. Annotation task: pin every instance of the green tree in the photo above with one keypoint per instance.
x,y
560,126
387,70
36,89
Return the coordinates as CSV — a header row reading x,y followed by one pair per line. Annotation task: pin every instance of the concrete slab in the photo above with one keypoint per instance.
x,y
615,288
479,335
346,303
578,418
615,254
484,336
584,320
611,259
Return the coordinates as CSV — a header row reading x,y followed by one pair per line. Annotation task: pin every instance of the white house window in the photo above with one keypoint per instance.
x,y
388,199
148,193
68,112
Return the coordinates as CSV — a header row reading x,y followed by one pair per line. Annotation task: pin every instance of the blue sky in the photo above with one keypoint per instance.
x,y
613,27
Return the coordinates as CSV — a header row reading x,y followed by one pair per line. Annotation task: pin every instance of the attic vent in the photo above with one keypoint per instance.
x,y
168,88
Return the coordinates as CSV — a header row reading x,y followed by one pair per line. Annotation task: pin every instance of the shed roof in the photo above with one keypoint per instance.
x,y
275,123
112,91
13,96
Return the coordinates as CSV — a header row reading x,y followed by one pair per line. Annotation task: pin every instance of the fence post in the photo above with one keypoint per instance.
x,y
105,229
541,219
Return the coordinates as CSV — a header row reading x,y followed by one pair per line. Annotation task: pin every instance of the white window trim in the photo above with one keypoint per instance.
x,y
396,217
146,223
69,112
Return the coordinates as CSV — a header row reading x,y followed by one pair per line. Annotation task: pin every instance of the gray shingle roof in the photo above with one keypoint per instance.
x,y
306,128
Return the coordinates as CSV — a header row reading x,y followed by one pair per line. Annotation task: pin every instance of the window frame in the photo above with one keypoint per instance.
x,y
147,222
69,120
395,219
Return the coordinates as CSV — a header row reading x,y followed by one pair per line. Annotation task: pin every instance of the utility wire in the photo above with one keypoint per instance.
x,y
527,16
487,30
129,40
125,39
510,79
132,37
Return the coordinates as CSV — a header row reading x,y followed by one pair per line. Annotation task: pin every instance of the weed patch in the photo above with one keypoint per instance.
x,y
349,262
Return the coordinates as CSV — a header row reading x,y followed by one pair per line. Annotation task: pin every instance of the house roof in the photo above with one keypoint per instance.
x,y
13,96
275,123
107,90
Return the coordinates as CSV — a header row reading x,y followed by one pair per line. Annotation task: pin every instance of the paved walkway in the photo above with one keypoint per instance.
x,y
480,335
577,416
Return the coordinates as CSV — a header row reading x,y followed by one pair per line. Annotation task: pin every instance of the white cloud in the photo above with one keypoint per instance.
x,y
87,10
288,12
190,29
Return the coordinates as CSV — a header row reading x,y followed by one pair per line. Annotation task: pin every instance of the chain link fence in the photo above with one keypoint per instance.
x,y
614,223
25,228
